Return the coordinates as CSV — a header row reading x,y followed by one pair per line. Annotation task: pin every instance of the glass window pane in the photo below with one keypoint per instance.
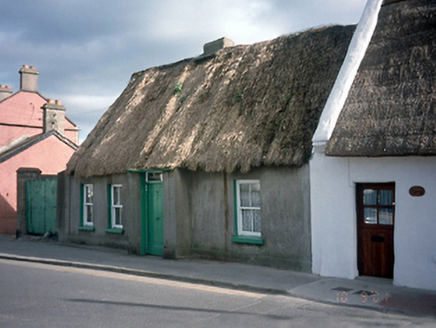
x,y
251,221
244,192
255,194
154,176
89,213
247,220
88,194
117,216
386,197
369,197
256,217
116,195
370,216
386,216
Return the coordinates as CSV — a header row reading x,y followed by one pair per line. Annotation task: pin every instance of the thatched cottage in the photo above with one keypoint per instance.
x,y
373,173
208,157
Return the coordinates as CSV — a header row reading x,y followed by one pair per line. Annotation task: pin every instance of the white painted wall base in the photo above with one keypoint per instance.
x,y
333,215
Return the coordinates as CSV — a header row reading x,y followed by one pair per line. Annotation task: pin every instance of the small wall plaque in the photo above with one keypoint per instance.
x,y
416,191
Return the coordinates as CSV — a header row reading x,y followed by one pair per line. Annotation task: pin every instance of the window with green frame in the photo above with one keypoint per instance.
x,y
87,207
247,212
115,208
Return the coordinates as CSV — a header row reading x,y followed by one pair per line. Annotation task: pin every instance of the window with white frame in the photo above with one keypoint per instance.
x,y
116,207
88,205
154,176
248,208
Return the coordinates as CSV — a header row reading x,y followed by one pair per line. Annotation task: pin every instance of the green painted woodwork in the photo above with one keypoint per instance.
x,y
143,193
155,218
247,240
151,215
144,171
109,207
82,195
235,206
41,200
115,230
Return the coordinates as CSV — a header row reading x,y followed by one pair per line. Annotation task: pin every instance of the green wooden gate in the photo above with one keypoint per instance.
x,y
41,196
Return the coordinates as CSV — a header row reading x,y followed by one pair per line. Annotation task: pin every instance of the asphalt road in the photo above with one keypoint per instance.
x,y
39,295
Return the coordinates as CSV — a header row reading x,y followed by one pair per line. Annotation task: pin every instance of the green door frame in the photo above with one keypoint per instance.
x,y
144,214
143,185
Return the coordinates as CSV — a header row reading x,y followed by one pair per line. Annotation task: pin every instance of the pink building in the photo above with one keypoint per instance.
x,y
34,132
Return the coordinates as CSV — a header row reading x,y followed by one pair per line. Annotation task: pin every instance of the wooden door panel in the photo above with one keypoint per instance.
x,y
375,224
375,253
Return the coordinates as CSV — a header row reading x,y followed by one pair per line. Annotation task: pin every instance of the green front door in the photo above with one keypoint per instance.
x,y
152,233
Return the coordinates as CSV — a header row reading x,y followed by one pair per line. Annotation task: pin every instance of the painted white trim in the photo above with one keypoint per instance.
x,y
356,51
148,175
86,204
115,206
240,208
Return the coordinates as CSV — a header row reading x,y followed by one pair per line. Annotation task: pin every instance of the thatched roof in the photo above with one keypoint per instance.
x,y
244,106
390,110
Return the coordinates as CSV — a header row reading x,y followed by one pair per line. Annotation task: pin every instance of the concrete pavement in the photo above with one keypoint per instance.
x,y
372,293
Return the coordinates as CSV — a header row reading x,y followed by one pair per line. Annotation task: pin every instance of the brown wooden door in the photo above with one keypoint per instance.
x,y
375,229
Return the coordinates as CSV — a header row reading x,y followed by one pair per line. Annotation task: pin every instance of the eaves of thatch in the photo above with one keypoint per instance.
x,y
245,106
390,110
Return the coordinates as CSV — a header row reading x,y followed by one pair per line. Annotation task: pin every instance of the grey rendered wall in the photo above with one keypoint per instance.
x,y
205,203
69,219
177,217
199,217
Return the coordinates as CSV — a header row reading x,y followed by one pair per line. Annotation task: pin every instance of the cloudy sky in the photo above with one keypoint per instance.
x,y
86,50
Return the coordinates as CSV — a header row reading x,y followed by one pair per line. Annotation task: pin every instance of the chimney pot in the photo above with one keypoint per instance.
x,y
8,87
50,101
58,102
2,86
25,66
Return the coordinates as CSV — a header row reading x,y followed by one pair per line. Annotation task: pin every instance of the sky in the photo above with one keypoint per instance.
x,y
87,50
